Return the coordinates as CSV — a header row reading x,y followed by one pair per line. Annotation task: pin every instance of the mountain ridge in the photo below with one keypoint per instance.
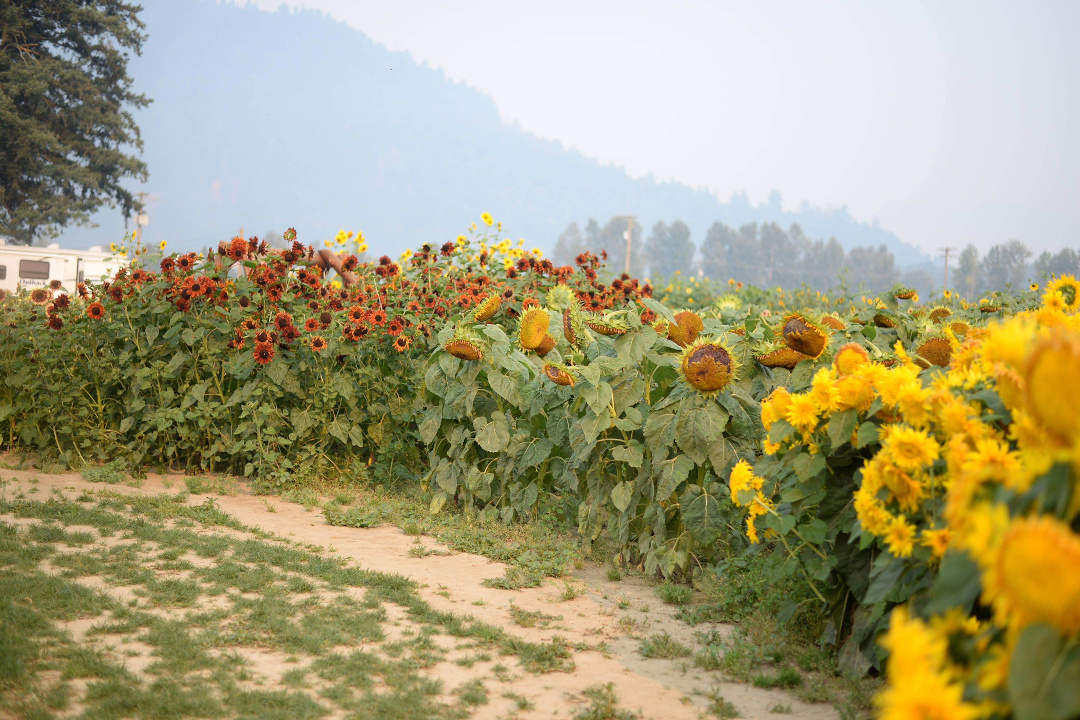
x,y
268,120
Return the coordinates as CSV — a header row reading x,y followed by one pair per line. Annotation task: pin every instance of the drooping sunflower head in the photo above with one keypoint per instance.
x,y
464,349
936,350
708,366
833,322
487,307
905,293
960,329
804,335
1069,289
546,345
558,375
606,325
560,297
884,321
534,326
686,328
780,355
574,328
850,358
939,313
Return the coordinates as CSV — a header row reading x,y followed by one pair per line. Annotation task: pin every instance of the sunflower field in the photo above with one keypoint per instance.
x,y
914,466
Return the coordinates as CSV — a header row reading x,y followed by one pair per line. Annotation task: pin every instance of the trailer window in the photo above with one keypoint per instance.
x,y
34,269
3,272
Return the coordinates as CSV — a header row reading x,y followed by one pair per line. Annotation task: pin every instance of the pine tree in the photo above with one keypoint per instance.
x,y
66,124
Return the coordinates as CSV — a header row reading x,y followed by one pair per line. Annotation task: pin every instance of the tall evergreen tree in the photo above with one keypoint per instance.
x,y
714,251
66,124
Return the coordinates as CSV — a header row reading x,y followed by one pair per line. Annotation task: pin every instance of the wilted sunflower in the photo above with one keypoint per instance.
x,y
464,349
905,294
707,366
936,351
884,321
402,343
317,343
940,313
40,296
487,308
989,308
686,328
604,326
782,356
95,311
803,334
832,322
959,328
534,326
558,375
546,345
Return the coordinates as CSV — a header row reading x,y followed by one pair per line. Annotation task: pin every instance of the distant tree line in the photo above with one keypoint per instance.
x,y
767,255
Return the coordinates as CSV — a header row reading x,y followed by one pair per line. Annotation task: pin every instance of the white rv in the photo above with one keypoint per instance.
x,y
29,267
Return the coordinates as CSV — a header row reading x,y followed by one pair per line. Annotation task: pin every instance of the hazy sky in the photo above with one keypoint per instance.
x,y
946,121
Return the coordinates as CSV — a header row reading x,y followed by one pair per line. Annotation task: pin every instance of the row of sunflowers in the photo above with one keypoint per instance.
x,y
914,465
917,467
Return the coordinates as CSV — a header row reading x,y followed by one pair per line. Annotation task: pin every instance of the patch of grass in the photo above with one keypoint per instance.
x,y
603,705
780,708
554,656
514,578
663,646
720,707
112,473
531,618
614,574
473,693
569,593
521,702
673,594
787,677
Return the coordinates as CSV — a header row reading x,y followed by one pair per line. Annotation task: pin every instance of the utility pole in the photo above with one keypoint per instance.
x,y
946,251
629,234
141,220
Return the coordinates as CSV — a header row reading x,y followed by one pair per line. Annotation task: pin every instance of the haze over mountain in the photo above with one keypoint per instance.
x,y
266,120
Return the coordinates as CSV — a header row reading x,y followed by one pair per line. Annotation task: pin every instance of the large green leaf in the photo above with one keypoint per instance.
x,y
957,584
631,453
1044,675
492,436
701,508
621,495
696,428
841,426
669,473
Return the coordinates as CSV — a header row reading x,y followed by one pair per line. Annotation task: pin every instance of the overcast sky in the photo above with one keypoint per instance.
x,y
947,121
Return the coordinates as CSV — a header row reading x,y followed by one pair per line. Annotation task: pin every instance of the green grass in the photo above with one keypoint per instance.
x,y
663,646
673,594
270,594
532,618
603,705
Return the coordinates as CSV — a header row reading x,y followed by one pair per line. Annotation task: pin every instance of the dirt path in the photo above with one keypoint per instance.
x,y
605,622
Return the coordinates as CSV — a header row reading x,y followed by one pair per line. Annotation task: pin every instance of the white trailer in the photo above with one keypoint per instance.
x,y
25,266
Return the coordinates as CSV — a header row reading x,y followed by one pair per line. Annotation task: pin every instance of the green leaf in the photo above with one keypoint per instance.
x,y
697,428
631,453
598,397
189,337
1044,676
957,584
841,426
277,370
887,571
493,436
593,424
536,453
429,427
868,433
662,310
670,473
621,495
151,334
701,510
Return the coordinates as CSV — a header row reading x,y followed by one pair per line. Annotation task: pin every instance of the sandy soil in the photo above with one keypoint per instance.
x,y
452,581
